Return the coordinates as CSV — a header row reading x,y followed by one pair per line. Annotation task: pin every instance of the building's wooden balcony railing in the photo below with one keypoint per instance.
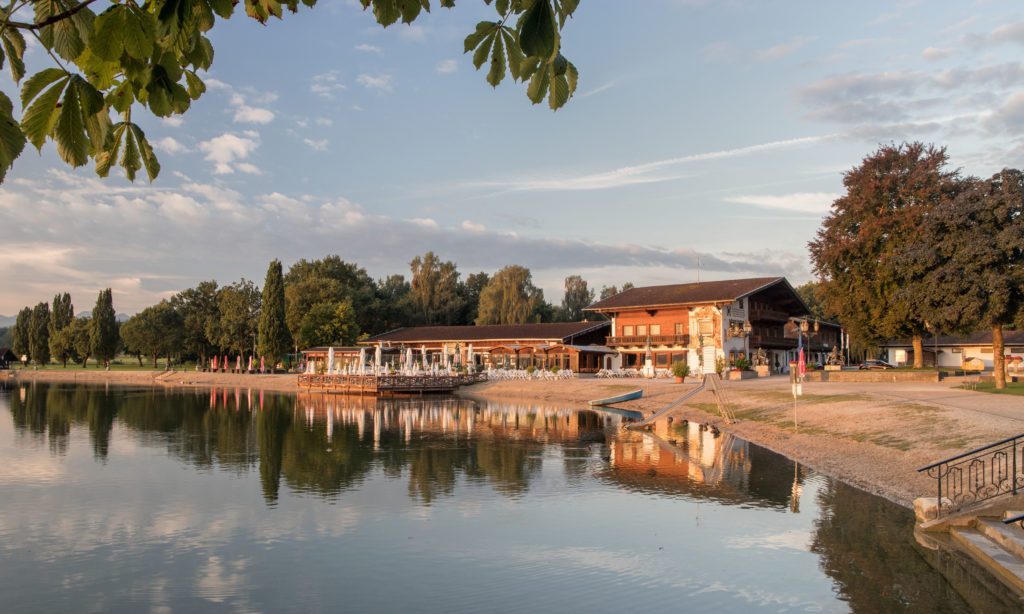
x,y
768,315
643,340
778,342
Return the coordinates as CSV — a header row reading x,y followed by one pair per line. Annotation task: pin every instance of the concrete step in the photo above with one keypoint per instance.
x,y
1011,514
1009,537
1000,562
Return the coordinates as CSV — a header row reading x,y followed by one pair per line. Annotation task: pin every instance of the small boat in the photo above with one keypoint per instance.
x,y
629,396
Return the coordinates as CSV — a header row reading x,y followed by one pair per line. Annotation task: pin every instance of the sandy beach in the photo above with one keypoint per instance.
x,y
873,436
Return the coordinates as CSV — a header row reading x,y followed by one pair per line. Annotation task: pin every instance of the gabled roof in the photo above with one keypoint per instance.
x,y
550,331
725,291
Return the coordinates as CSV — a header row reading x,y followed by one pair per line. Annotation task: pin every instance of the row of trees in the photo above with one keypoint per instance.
x,y
914,247
316,302
44,332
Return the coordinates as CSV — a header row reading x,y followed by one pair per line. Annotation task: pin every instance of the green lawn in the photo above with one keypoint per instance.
x,y
1016,388
120,364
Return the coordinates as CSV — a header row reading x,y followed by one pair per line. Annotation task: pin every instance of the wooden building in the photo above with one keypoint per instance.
x,y
706,322
579,346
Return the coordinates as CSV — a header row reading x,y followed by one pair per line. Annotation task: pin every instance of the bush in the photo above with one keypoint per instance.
x,y
554,369
530,369
742,364
680,368
720,366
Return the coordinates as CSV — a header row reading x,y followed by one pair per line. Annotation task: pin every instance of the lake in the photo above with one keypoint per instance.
x,y
139,499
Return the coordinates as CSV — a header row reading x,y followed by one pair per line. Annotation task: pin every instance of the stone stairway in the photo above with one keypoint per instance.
x,y
996,546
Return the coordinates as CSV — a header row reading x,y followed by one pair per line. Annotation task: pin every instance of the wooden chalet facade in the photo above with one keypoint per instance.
x,y
579,346
702,323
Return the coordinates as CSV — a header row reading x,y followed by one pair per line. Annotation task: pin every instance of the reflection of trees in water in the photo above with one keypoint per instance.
x,y
867,546
44,411
431,443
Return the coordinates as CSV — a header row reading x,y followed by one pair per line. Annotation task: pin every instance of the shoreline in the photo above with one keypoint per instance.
x,y
286,382
871,436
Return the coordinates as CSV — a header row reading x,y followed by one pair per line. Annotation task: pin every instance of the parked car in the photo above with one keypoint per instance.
x,y
875,365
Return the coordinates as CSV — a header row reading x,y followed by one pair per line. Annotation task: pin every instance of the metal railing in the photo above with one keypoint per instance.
x,y
979,475
1018,518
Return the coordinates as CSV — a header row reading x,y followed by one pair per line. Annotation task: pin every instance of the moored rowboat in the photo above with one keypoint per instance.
x,y
629,396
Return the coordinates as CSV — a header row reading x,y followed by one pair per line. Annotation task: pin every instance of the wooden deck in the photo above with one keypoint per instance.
x,y
388,384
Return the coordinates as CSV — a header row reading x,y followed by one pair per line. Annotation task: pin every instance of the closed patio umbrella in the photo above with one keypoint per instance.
x,y
470,363
250,364
362,360
376,357
330,360
408,359
263,369
238,363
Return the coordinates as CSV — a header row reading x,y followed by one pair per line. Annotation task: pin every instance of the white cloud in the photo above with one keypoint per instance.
x,y
446,67
69,232
175,121
599,89
169,145
228,150
936,53
777,52
368,48
327,84
650,172
381,83
316,144
247,114
324,121
802,202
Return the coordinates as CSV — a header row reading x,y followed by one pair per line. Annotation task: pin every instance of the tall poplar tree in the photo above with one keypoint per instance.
x,y
859,249
103,333
61,314
273,338
577,297
19,341
39,334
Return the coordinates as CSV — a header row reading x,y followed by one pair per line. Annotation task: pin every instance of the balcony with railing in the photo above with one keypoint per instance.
x,y
775,342
768,315
643,340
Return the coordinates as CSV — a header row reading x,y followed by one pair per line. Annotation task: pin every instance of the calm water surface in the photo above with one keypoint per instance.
x,y
123,499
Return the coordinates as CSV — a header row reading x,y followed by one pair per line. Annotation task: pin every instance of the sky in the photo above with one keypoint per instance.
x,y
706,139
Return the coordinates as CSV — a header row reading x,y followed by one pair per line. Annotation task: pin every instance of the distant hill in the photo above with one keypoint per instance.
x,y
6,321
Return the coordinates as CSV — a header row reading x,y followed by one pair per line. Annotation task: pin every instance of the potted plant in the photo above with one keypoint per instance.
x,y
680,369
742,364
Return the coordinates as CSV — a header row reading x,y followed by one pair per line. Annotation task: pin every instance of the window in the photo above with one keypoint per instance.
x,y
627,331
679,329
655,329
641,330
707,327
661,360
958,350
986,350
1017,350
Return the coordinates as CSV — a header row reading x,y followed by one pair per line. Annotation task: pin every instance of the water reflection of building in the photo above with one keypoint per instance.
x,y
687,460
371,416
